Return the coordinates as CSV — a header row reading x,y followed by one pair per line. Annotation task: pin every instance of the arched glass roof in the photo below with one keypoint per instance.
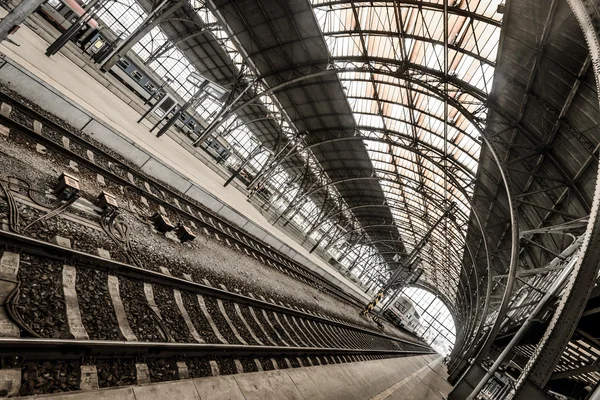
x,y
392,62
390,57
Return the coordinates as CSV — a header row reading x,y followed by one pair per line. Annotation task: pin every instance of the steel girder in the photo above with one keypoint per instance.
x,y
540,367
474,211
475,120
417,3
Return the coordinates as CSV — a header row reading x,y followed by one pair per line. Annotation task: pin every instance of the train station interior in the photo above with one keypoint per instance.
x,y
300,199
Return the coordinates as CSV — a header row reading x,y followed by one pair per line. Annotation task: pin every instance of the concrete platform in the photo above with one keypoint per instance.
x,y
73,90
409,378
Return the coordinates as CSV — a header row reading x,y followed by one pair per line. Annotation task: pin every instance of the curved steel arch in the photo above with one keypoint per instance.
x,y
475,121
511,209
434,162
462,236
375,32
384,141
333,70
486,251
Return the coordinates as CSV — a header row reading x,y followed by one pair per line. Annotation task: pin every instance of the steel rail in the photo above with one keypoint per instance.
x,y
53,251
77,349
301,270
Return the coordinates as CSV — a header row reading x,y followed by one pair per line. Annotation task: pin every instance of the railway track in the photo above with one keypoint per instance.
x,y
121,323
84,260
88,364
241,334
118,172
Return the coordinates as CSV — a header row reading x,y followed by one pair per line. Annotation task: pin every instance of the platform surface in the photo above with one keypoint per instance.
x,y
77,85
408,378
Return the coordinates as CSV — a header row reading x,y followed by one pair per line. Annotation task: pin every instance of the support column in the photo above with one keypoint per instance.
x,y
258,149
17,16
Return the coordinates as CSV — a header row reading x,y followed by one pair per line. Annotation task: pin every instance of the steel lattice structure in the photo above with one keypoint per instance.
x,y
378,115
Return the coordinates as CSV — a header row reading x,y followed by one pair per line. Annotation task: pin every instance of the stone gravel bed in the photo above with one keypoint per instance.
x,y
198,367
254,326
226,366
237,322
207,257
248,364
120,372
220,322
139,315
170,313
41,301
40,377
190,301
162,369
97,312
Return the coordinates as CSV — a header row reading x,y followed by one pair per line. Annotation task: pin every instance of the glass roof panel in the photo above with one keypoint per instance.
x,y
424,151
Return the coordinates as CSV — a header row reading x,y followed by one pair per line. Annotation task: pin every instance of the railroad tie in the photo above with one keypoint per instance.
x,y
299,332
37,127
260,325
10,381
262,328
241,316
88,377
259,366
149,293
238,366
142,373
115,296
5,109
264,312
228,320
285,330
309,330
186,317
4,131
9,269
211,322
182,370
66,143
214,368
76,328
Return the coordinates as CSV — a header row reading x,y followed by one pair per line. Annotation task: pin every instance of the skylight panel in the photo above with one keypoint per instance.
x,y
398,107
